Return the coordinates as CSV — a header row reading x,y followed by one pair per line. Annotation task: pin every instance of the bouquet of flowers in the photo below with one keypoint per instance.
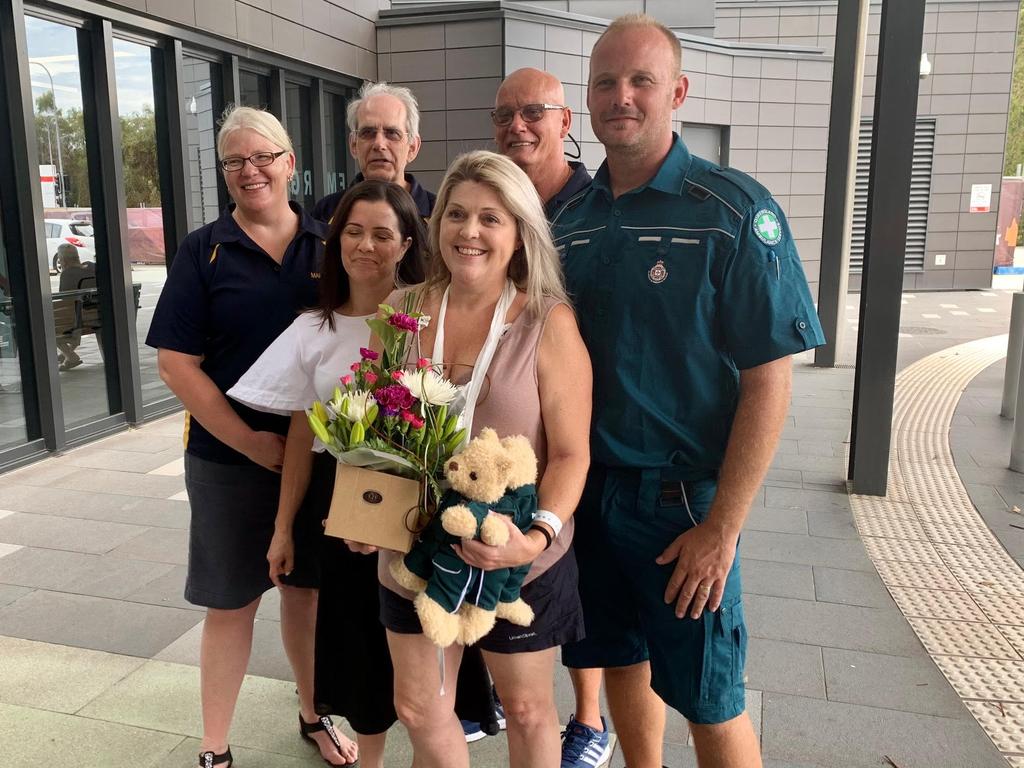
x,y
388,417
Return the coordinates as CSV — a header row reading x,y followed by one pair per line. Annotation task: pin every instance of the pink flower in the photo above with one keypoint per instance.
x,y
346,379
404,322
393,399
414,421
370,377
354,367
368,354
397,375
422,363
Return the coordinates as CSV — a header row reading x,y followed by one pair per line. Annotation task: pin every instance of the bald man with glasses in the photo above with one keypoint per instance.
x,y
530,122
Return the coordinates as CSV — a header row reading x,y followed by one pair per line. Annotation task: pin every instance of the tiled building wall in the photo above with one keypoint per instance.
x,y
970,46
771,104
338,35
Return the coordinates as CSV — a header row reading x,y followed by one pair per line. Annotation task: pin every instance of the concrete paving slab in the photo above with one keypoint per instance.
x,y
165,697
56,677
6,549
805,550
92,457
159,545
168,589
777,519
72,534
95,622
764,577
121,483
184,756
29,737
828,624
835,585
782,667
43,568
267,660
889,682
831,525
9,593
810,730
141,441
94,506
115,577
807,500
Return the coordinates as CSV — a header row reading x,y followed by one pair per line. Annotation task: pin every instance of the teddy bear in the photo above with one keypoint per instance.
x,y
457,602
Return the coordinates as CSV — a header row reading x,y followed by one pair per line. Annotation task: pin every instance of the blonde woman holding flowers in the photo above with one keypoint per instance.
x,y
502,326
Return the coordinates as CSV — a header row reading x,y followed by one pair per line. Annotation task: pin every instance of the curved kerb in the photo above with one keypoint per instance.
x,y
952,579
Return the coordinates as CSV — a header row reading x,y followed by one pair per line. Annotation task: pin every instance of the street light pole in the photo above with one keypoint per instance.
x,y
56,128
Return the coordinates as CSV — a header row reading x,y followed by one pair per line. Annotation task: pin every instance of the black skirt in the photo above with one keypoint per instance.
x,y
353,676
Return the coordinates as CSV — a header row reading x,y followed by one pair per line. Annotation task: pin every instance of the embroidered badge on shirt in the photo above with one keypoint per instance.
x,y
767,227
657,273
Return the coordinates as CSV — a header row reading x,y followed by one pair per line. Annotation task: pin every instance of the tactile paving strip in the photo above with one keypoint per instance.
x,y
962,593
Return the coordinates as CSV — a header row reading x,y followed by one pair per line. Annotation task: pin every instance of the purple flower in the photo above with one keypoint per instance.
x,y
404,322
393,399
368,354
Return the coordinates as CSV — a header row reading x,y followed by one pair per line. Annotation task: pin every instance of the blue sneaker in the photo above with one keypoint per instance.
x,y
584,747
472,731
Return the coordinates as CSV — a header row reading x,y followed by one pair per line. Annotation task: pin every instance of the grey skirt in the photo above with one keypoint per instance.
x,y
233,511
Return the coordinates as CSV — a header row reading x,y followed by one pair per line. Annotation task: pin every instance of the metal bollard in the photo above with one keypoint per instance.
x,y
1013,356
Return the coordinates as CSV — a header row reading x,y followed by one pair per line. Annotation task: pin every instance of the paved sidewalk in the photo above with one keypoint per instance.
x,y
98,650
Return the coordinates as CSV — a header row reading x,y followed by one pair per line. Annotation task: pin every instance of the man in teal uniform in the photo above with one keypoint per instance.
x,y
691,299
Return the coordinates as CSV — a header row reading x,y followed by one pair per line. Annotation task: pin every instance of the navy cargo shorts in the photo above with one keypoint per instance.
x,y
626,518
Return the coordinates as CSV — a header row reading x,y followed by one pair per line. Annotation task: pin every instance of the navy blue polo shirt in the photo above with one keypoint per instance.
x,y
424,199
680,284
226,300
578,181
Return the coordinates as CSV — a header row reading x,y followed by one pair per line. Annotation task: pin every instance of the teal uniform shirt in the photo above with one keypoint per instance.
x,y
678,286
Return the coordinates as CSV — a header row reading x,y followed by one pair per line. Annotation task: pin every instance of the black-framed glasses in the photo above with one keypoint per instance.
x,y
257,159
531,113
369,133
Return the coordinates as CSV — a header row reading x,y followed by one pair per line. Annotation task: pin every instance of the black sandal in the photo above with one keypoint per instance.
x,y
323,723
208,759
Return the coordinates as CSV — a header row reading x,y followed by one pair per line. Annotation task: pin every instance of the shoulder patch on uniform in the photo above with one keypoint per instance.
x,y
767,227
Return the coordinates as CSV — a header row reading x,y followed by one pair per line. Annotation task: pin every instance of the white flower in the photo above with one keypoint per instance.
x,y
423,321
354,405
429,387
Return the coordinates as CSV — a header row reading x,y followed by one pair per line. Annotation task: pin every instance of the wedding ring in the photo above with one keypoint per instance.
x,y
704,589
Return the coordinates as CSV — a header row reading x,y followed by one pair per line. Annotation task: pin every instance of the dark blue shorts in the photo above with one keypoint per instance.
x,y
625,519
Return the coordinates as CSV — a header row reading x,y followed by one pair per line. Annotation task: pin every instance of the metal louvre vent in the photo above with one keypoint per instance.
x,y
920,193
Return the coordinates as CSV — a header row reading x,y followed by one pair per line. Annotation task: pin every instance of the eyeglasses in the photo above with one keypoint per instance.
x,y
531,113
257,159
393,135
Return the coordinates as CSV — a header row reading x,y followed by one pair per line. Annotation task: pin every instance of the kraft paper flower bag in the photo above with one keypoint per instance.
x,y
392,427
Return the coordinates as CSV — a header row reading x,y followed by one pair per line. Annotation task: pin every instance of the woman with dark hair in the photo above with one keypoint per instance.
x,y
376,242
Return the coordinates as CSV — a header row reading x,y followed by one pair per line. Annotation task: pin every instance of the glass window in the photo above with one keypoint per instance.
x,y
335,140
300,129
133,74
201,105
72,257
13,430
254,89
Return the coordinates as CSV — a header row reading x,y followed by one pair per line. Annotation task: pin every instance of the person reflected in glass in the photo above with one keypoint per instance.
x,y
233,287
73,272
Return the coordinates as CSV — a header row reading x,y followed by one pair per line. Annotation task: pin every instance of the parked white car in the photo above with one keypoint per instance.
x,y
79,233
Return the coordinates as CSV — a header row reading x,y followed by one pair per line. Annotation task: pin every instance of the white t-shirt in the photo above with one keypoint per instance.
x,y
302,365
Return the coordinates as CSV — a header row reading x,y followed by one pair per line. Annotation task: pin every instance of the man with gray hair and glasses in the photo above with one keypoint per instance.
x,y
384,137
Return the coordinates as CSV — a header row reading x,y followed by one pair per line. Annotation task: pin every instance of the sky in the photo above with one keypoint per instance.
x,y
54,47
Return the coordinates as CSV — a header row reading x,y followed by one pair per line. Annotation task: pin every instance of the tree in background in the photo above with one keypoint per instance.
x,y
1015,129
138,147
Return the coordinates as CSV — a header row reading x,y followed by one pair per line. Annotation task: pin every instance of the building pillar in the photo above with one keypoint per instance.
x,y
841,175
892,153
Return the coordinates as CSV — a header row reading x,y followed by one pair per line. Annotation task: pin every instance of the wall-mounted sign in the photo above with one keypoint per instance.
x,y
981,198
